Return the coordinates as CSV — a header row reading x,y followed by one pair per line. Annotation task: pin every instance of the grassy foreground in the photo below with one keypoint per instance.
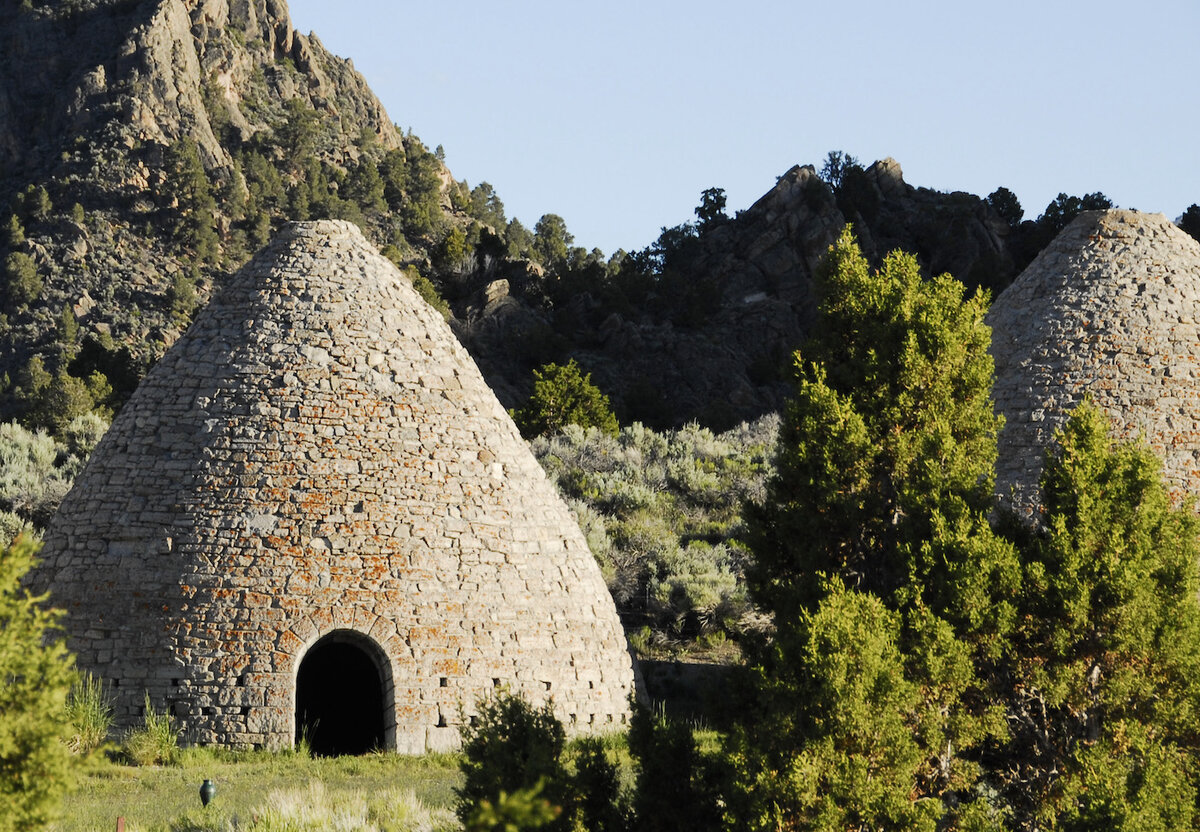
x,y
264,792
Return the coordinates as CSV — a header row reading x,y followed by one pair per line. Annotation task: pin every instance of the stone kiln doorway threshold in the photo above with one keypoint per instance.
x,y
340,704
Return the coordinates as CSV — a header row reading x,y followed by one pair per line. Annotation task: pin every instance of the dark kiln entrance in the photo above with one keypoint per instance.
x,y
340,697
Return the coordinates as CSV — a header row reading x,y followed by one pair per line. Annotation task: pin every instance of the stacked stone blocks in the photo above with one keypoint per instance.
x,y
318,454
1111,311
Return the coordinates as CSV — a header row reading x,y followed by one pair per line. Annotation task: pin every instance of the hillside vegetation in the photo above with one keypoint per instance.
x,y
148,148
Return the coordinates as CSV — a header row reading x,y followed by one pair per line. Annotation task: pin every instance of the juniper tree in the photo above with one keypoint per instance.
x,y
1105,703
195,212
512,746
563,395
35,676
23,284
879,510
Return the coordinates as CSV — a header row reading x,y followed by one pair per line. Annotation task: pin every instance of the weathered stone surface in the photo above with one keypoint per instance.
x,y
318,454
1109,310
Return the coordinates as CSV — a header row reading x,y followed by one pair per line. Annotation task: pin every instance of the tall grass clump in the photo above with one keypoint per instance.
x,y
156,742
317,809
89,711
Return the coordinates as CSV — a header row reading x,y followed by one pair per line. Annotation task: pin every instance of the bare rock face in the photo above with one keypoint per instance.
x,y
141,68
93,93
317,469
1109,310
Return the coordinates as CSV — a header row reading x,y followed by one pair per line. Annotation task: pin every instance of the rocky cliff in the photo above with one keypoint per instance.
x,y
130,72
711,339
94,97
104,102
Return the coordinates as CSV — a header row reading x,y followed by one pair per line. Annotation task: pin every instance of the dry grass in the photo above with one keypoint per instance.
x,y
255,788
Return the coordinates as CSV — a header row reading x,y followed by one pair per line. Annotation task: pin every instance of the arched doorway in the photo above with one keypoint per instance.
x,y
340,690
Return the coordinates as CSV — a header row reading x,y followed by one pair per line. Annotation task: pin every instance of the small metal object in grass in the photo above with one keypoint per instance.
x,y
207,789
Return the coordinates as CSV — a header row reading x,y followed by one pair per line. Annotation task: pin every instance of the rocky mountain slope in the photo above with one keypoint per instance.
x,y
148,147
94,97
710,338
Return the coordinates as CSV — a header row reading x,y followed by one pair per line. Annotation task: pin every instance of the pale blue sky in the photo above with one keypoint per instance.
x,y
617,114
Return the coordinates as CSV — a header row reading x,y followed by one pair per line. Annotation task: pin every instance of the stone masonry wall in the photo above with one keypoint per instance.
x,y
318,454
1110,310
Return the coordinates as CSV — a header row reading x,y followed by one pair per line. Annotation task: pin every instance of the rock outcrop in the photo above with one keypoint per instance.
x,y
140,70
94,92
714,345
318,465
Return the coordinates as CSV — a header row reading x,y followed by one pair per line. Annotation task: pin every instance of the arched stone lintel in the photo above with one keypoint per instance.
x,y
365,635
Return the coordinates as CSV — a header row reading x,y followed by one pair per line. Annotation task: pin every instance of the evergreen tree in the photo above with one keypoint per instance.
x,y
421,208
365,186
52,400
519,239
880,505
563,395
1105,706
68,332
711,211
452,252
551,240
674,788
846,753
266,196
1189,221
297,131
14,232
509,747
195,212
35,202
23,284
181,299
1005,203
834,169
35,676
234,193
487,207
1064,208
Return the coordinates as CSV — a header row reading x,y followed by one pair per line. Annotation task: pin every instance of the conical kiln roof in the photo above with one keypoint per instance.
x,y
1111,310
317,460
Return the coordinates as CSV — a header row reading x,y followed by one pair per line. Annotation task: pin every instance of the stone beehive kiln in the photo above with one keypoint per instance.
x,y
1110,310
317,464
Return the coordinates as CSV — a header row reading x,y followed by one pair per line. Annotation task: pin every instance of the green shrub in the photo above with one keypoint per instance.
x,y
156,742
510,746
662,513
12,525
696,589
516,812
32,483
89,710
563,395
35,675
